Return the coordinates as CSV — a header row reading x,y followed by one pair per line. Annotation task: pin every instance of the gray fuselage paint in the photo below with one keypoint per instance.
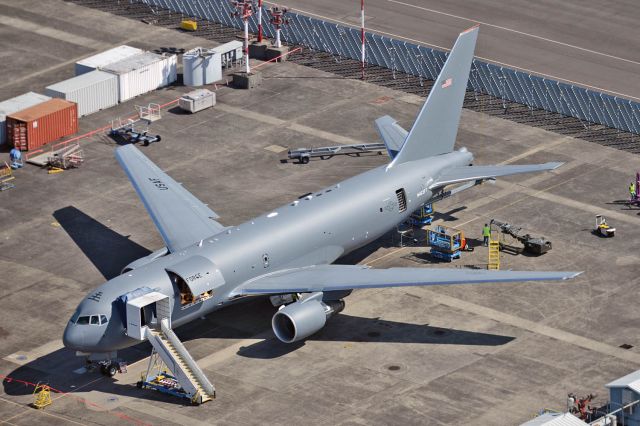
x,y
310,231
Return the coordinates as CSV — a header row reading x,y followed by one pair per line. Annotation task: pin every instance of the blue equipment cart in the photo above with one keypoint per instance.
x,y
423,216
446,243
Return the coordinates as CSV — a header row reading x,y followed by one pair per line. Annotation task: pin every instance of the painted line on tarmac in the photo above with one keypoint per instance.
x,y
332,137
475,21
162,413
32,411
535,327
446,49
23,358
78,40
12,82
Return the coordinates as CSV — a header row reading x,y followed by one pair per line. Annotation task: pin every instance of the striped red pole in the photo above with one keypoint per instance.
x,y
259,21
362,33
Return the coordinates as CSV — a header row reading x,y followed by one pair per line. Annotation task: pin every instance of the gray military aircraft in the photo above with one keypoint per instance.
x,y
206,266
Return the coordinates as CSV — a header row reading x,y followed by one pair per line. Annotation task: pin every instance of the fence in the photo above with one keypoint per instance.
x,y
501,82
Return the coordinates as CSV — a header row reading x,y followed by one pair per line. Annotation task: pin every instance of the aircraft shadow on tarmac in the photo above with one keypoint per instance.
x,y
347,328
106,249
110,251
57,368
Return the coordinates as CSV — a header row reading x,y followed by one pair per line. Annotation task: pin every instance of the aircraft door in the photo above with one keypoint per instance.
x,y
148,310
196,279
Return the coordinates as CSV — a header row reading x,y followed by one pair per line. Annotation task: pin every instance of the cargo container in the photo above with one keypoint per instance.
x,y
229,52
92,91
197,100
200,67
16,104
105,58
36,126
143,73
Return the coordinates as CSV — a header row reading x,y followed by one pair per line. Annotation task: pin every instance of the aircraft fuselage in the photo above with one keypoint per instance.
x,y
312,230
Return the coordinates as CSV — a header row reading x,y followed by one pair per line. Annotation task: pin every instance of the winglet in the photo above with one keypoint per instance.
x,y
435,129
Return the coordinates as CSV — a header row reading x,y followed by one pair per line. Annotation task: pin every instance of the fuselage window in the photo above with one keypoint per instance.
x,y
83,320
103,319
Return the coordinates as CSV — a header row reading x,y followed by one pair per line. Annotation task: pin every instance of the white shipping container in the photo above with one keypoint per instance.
x,y
143,73
197,100
92,91
13,105
105,58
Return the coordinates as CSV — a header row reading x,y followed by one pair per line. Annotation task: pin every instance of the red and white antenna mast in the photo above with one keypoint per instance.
x,y
278,20
244,9
362,34
259,21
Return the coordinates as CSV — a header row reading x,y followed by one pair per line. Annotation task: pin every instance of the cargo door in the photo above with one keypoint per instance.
x,y
18,134
196,278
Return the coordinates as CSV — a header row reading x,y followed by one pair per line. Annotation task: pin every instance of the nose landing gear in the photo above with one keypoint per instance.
x,y
108,368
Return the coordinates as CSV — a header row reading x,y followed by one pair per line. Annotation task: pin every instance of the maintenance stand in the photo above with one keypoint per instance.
x,y
422,217
446,243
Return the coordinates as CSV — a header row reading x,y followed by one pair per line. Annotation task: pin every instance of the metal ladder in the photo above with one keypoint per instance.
x,y
494,254
173,353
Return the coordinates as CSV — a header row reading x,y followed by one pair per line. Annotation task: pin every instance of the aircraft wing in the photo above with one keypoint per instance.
x,y
180,217
391,133
463,174
352,277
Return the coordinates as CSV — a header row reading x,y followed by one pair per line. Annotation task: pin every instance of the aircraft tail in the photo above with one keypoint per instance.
x,y
435,129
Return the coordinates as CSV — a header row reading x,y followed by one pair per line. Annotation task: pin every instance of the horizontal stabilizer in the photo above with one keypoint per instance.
x,y
391,133
350,277
463,174
180,217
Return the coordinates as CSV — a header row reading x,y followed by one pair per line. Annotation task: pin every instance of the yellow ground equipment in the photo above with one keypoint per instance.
x,y
42,394
602,228
188,25
55,170
6,176
494,254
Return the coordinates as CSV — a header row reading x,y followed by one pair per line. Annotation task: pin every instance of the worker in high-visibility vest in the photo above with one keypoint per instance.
x,y
632,190
486,233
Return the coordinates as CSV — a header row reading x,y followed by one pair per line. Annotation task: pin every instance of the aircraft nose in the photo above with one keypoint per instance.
x,y
73,337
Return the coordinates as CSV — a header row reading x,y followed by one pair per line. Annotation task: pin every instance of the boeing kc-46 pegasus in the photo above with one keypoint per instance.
x,y
206,266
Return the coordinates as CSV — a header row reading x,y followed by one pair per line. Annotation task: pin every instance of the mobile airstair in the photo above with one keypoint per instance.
x,y
171,368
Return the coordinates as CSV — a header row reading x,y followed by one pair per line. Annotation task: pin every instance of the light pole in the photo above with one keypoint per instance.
x,y
244,9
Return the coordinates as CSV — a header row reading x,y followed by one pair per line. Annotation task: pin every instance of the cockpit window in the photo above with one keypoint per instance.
x,y
75,316
90,319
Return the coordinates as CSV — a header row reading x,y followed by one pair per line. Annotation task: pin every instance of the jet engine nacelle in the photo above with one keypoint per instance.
x,y
301,319
145,260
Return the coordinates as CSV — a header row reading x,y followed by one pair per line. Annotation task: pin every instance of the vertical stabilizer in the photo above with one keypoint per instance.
x,y
435,129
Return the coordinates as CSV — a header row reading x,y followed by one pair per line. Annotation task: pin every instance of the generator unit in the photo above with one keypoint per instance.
x,y
197,100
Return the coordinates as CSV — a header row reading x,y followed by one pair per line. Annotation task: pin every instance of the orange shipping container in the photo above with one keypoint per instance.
x,y
36,126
